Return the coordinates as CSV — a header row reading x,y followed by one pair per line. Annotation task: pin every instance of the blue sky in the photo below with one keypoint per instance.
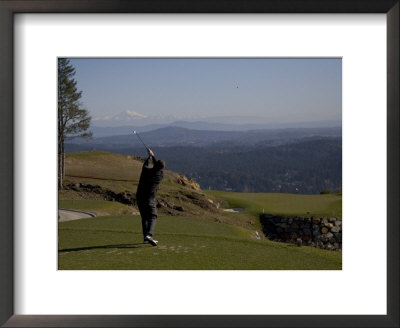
x,y
279,90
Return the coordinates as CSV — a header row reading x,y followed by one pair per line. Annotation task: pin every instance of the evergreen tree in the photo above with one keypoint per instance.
x,y
73,119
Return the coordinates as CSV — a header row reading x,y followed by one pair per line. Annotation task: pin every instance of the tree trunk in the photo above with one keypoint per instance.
x,y
60,178
60,163
58,160
63,161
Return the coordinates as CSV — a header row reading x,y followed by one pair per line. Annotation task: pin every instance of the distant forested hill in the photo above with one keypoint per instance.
x,y
306,166
177,136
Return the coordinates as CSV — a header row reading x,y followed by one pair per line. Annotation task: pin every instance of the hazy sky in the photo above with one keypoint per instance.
x,y
280,90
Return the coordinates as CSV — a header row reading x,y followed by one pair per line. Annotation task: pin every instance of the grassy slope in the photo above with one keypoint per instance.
x,y
114,171
185,243
114,242
121,173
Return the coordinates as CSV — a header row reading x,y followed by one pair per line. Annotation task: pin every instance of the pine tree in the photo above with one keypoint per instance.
x,y
73,119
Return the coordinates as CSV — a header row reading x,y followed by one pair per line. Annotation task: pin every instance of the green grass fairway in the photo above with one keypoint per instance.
x,y
283,204
115,242
98,207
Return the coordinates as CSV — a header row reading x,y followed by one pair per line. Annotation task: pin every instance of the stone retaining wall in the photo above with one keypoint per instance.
x,y
325,233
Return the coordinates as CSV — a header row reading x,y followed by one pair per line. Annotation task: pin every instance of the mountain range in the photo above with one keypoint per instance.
x,y
179,136
127,121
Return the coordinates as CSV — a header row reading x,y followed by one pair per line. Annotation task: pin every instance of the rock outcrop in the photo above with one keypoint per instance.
x,y
325,233
187,182
177,205
125,197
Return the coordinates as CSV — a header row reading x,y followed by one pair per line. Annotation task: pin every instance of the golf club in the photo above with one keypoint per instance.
x,y
134,132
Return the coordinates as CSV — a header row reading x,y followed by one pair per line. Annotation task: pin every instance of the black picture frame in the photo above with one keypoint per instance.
x,y
10,7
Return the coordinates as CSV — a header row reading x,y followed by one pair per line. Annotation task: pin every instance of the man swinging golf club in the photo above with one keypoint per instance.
x,y
149,182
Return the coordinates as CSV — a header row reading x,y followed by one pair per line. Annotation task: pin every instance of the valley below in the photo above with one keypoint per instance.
x,y
298,161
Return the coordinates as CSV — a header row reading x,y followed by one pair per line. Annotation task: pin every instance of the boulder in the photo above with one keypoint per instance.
x,y
267,216
75,186
277,219
178,208
124,198
338,236
335,229
323,238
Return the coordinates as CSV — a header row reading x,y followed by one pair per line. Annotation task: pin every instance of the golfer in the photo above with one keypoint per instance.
x,y
149,182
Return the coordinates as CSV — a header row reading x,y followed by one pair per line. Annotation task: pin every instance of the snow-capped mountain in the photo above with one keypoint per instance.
x,y
131,117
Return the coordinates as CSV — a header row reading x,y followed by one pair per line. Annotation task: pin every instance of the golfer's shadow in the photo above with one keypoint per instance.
x,y
138,245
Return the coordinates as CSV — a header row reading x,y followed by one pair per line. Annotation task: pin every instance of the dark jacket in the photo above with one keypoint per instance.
x,y
149,182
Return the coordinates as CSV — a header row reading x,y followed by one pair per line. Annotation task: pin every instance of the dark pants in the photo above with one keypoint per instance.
x,y
148,212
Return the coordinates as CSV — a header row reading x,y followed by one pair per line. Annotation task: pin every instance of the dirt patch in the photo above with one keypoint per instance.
x,y
234,210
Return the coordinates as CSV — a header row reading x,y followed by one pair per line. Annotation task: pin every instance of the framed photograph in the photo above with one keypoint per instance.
x,y
294,57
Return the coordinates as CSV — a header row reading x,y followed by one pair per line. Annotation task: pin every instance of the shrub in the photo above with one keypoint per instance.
x,y
325,191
